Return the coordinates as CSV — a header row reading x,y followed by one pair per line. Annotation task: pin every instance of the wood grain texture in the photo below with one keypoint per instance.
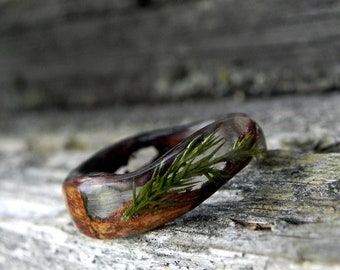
x,y
281,213
57,53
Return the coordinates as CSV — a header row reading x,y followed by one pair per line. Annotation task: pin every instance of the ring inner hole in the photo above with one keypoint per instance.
x,y
138,159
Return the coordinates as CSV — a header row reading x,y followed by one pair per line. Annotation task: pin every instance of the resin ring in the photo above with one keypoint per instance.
x,y
193,162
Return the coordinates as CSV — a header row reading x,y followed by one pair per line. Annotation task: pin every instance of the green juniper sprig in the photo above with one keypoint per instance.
x,y
178,176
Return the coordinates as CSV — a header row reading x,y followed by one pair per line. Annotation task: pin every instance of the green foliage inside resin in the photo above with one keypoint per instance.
x,y
197,159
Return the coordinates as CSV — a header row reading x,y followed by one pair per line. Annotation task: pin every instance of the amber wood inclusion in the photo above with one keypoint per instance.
x,y
104,204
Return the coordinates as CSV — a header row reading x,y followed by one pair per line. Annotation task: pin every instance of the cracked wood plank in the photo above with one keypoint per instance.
x,y
281,213
284,212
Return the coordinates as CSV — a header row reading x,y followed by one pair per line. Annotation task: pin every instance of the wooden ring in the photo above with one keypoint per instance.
x,y
98,198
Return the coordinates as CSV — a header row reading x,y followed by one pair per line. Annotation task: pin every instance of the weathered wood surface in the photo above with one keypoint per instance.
x,y
281,214
57,53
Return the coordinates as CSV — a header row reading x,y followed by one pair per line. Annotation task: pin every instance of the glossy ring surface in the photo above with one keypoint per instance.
x,y
97,197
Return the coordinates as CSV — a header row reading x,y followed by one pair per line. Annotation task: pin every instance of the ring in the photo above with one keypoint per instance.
x,y
193,161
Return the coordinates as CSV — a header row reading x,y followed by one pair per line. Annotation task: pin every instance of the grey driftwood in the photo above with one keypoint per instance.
x,y
283,213
84,53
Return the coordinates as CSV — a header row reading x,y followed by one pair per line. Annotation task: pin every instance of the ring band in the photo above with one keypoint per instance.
x,y
98,198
